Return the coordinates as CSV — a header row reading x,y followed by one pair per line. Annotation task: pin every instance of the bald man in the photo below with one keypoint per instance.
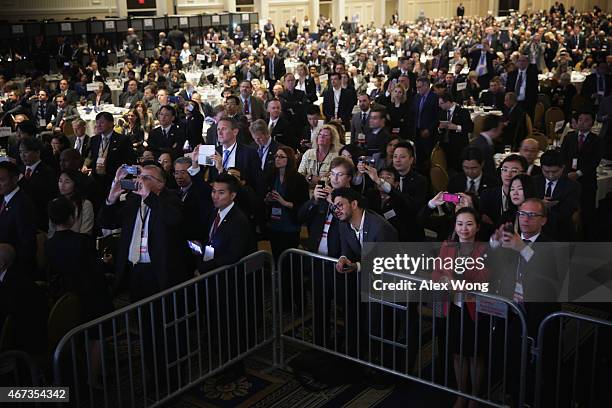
x,y
530,150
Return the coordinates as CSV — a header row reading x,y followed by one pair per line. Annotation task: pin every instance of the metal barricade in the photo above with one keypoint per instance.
x,y
151,351
407,336
567,355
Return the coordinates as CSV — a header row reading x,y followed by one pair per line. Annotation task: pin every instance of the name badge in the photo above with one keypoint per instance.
x,y
518,292
42,122
390,214
101,161
209,253
277,212
574,163
144,245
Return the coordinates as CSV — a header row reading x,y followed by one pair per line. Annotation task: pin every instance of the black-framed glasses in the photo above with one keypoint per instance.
x,y
528,214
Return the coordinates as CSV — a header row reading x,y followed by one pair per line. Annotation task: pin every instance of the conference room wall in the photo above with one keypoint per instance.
x,y
199,6
14,10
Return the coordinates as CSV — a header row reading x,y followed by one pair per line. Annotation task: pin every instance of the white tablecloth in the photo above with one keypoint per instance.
x,y
89,115
604,182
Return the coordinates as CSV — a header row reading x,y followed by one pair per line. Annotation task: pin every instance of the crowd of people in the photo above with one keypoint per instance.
x,y
340,145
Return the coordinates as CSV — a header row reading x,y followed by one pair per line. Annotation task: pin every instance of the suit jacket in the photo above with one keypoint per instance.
x,y
567,192
193,129
256,108
356,126
284,133
68,113
314,214
279,69
247,160
531,86
41,187
71,97
453,142
84,147
515,130
104,98
487,150
50,111
229,246
428,119
18,228
488,98
588,157
474,58
294,106
119,152
399,211
310,89
458,183
167,248
268,168
491,203
345,105
125,98
375,229
376,142
27,305
197,207
174,141
589,87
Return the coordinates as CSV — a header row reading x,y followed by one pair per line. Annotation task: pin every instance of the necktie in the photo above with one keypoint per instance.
x,y
3,206
449,115
77,144
271,126
549,189
246,106
28,173
41,111
420,109
260,151
134,254
272,67
226,154
581,137
182,194
165,134
472,188
601,87
215,225
401,184
519,83
363,120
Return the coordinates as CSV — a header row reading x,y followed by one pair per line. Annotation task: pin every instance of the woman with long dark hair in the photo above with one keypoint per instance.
x,y
521,188
70,184
463,332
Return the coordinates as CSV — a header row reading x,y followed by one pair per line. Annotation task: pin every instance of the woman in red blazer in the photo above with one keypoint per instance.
x,y
463,243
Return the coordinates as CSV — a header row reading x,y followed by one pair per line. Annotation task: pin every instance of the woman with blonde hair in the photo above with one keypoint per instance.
x,y
315,164
399,112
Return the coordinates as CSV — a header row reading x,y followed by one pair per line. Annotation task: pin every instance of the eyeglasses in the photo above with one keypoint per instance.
x,y
511,171
528,214
337,174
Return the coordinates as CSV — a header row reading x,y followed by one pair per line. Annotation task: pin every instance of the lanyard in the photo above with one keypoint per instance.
x,y
228,156
143,219
104,145
319,164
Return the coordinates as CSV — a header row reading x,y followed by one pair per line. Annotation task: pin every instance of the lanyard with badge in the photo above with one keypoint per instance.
x,y
101,161
144,244
226,159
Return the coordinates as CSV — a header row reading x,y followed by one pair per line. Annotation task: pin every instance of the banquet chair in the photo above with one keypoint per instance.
x,y
579,103
538,118
541,138
478,125
6,334
528,126
65,315
551,117
438,157
439,179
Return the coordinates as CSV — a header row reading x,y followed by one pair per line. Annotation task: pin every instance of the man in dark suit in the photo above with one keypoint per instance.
x,y
293,102
481,58
598,85
80,140
167,135
524,82
109,150
129,98
360,121
42,110
24,302
63,112
425,107
232,110
264,145
530,148
513,122
494,96
453,130
377,137
250,106
17,219
39,181
460,10
582,151
401,69
71,96
472,179
337,102
279,127
560,195
358,226
275,68
231,153
194,192
495,201
576,44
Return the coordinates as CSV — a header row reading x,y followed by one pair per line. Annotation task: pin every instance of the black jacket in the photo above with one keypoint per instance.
x,y
18,228
247,160
314,213
41,187
375,229
174,140
193,129
458,183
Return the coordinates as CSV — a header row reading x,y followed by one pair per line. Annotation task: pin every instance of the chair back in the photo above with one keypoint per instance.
x,y
538,118
528,126
7,337
65,315
438,157
478,125
551,117
439,179
542,140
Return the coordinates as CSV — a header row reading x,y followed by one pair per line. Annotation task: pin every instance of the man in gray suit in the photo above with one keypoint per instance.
x,y
250,106
360,120
129,98
357,227
64,113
